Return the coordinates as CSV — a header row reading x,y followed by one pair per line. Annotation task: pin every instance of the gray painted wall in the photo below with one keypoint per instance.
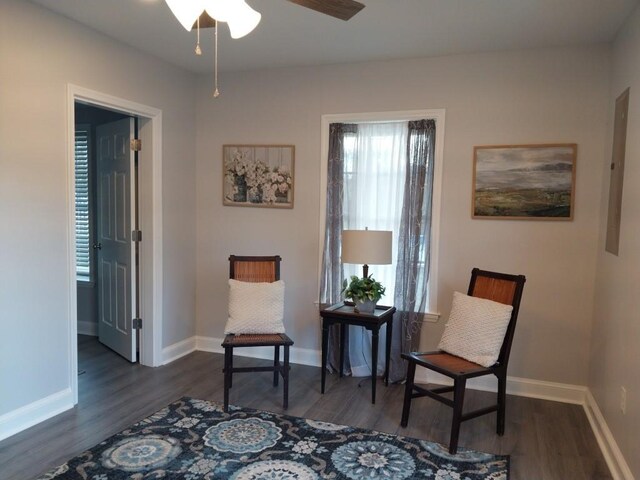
x,y
615,357
525,97
40,53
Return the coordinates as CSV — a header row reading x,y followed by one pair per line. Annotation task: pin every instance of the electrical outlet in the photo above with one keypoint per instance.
x,y
623,400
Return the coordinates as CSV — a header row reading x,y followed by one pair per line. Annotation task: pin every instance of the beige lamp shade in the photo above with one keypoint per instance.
x,y
371,247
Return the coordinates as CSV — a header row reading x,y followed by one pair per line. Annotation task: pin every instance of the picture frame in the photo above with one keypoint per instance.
x,y
524,182
258,175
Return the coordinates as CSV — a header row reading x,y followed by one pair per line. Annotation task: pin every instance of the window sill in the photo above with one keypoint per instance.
x,y
431,317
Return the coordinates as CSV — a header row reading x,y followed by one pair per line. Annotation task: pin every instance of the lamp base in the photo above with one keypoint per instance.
x,y
365,270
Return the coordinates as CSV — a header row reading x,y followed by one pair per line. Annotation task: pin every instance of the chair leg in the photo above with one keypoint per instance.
x,y
231,367
286,377
458,401
276,365
408,391
228,355
502,403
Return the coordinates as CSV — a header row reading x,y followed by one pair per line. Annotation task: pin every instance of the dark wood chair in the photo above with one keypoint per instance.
x,y
256,269
498,287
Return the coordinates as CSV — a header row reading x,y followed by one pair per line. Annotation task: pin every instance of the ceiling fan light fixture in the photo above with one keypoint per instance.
x,y
186,11
243,19
221,10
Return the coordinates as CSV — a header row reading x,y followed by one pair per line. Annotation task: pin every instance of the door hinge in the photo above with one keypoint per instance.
x,y
136,144
136,235
137,323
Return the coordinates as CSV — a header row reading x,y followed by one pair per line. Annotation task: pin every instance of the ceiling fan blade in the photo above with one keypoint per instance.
x,y
342,9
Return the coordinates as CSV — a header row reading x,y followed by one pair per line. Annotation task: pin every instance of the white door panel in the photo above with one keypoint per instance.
x,y
116,265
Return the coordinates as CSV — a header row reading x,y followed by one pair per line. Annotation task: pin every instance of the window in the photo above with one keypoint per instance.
x,y
83,191
383,172
374,176
374,184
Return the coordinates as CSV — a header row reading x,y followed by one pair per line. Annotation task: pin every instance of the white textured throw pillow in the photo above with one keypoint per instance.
x,y
255,307
476,329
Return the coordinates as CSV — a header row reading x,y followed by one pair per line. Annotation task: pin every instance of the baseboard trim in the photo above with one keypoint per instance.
x,y
178,350
613,456
559,392
24,417
88,328
522,387
302,356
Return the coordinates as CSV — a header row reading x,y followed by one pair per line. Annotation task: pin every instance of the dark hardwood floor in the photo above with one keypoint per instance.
x,y
546,440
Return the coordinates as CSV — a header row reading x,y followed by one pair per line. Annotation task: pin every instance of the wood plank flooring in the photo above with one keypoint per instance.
x,y
546,440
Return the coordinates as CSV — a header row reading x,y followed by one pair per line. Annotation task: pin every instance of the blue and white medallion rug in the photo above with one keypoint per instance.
x,y
194,439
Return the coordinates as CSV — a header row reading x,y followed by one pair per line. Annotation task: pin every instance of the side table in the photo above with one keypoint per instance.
x,y
343,315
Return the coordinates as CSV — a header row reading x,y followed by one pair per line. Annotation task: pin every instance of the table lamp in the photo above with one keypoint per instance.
x,y
368,247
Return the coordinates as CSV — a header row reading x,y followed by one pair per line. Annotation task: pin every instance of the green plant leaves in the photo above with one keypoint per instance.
x,y
362,289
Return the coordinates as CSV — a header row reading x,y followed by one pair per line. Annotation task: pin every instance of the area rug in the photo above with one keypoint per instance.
x,y
194,439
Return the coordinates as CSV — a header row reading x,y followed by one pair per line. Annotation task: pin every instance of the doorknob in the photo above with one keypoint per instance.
x,y
97,246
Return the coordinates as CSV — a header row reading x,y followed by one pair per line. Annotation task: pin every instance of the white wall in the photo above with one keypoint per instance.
x,y
40,53
615,357
535,96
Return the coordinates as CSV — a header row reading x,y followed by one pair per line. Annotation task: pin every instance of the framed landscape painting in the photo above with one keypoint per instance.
x,y
525,182
258,175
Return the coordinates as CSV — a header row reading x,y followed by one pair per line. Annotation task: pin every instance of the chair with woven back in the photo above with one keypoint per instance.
x,y
499,287
256,270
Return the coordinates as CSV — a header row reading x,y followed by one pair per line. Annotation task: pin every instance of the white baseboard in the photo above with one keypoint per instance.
x,y
88,328
559,392
178,350
615,460
302,356
36,412
522,387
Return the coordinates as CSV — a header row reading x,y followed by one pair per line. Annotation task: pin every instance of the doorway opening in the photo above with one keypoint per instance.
x,y
115,231
106,200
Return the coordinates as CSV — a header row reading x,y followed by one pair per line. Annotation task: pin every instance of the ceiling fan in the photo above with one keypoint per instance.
x,y
242,19
342,9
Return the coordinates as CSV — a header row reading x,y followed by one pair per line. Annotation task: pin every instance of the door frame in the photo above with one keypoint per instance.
x,y
151,272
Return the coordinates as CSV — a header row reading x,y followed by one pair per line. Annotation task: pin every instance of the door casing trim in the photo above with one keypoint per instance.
x,y
150,261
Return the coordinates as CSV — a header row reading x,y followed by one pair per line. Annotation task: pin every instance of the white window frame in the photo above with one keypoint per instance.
x,y
438,115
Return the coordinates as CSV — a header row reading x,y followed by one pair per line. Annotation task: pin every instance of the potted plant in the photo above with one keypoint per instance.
x,y
364,292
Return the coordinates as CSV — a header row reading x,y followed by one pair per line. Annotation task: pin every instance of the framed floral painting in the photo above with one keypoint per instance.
x,y
258,175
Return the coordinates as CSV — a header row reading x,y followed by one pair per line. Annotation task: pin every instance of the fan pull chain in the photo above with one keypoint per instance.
x,y
198,49
216,92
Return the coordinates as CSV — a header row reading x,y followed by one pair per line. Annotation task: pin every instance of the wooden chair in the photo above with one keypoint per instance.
x,y
256,269
494,286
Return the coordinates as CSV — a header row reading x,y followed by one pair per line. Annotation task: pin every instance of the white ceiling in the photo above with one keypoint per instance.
x,y
290,35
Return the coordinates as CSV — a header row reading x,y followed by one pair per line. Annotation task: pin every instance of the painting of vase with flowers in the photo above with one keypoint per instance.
x,y
258,175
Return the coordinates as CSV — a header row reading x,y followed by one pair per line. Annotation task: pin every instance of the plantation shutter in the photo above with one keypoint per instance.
x,y
83,238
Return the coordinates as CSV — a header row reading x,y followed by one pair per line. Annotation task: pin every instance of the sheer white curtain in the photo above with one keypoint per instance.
x,y
374,181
